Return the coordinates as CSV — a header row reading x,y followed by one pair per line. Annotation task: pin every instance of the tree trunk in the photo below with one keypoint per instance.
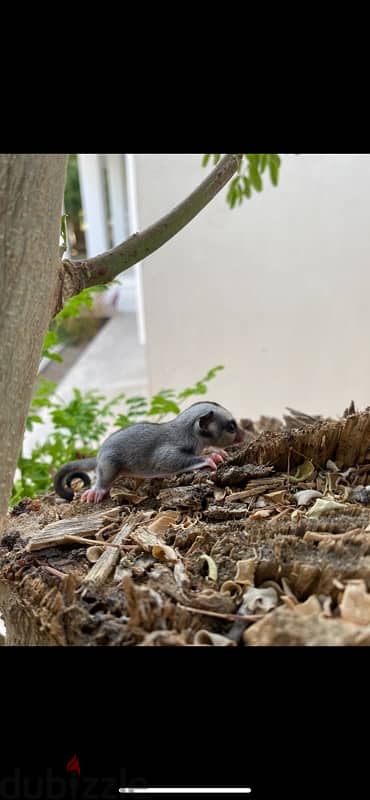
x,y
31,195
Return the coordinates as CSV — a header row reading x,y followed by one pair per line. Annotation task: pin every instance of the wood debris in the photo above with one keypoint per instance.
x,y
273,548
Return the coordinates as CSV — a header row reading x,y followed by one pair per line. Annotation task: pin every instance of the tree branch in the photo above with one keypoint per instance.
x,y
77,275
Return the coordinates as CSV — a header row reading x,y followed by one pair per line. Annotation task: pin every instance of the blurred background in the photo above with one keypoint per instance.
x,y
276,290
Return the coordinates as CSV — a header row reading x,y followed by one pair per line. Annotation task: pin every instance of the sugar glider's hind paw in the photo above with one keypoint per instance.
x,y
94,495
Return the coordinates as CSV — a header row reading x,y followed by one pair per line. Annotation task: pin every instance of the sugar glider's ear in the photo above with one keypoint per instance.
x,y
205,425
205,420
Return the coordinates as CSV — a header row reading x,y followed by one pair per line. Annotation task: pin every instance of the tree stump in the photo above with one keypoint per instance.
x,y
226,558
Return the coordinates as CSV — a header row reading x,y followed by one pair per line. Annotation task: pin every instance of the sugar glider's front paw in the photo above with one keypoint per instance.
x,y
212,451
94,495
213,460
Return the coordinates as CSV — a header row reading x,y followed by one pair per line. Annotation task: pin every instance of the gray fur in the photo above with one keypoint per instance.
x,y
152,449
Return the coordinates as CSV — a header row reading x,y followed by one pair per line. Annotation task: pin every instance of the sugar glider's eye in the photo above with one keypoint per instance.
x,y
231,427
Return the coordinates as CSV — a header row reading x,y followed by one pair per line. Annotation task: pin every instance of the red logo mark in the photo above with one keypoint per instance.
x,y
74,765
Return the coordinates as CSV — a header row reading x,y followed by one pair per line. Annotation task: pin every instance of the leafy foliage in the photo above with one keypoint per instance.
x,y
164,402
249,176
78,428
80,425
72,308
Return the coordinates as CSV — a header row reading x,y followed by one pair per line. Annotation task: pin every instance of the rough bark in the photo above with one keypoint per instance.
x,y
31,195
345,441
77,275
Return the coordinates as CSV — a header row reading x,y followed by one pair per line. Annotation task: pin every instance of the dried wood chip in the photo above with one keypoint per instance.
x,y
163,521
212,567
125,496
58,533
280,496
181,576
108,560
304,497
310,606
219,494
331,466
211,600
287,589
262,513
163,551
245,571
323,506
254,491
224,513
272,585
203,638
145,538
93,553
163,638
355,604
303,472
238,475
182,497
259,601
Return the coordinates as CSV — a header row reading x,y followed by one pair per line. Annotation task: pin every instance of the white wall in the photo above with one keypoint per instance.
x,y
277,290
124,295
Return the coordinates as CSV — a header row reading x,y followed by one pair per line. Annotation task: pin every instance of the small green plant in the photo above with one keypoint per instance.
x,y
80,425
78,429
165,402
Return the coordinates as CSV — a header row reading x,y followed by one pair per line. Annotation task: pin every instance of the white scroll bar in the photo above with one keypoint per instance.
x,y
189,790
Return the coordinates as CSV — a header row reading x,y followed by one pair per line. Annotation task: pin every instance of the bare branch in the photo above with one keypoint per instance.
x,y
77,275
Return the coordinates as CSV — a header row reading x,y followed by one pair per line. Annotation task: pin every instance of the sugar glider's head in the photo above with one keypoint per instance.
x,y
215,426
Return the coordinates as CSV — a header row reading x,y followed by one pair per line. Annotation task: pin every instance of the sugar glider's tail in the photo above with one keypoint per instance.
x,y
67,473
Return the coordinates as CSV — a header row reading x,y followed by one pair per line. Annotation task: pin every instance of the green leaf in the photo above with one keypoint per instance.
x,y
123,421
216,158
255,164
255,177
274,164
233,192
167,393
35,418
138,400
247,187
275,158
231,197
213,372
253,159
161,405
274,174
206,159
52,356
42,394
50,339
